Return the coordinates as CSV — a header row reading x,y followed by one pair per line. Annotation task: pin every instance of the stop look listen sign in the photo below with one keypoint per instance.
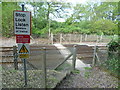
x,y
22,22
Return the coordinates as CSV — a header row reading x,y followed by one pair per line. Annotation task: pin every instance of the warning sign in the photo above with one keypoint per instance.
x,y
22,22
24,56
23,50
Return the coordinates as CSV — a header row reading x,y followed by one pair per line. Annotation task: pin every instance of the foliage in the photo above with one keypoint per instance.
x,y
91,18
106,27
7,18
87,68
76,71
113,45
0,19
112,63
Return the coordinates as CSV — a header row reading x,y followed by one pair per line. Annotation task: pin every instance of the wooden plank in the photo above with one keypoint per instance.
x,y
39,49
40,45
6,47
6,50
83,52
85,57
7,56
84,48
10,62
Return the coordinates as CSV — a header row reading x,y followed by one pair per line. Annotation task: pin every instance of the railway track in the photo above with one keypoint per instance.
x,y
54,57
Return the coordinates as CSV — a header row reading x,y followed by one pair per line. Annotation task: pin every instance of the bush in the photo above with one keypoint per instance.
x,y
112,63
113,45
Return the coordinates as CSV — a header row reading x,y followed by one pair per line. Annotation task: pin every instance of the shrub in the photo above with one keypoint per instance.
x,y
113,45
112,63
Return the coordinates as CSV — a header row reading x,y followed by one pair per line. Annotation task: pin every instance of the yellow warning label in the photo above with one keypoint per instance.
x,y
23,55
23,49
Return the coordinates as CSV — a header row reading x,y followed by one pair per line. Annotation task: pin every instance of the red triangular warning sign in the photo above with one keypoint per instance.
x,y
23,49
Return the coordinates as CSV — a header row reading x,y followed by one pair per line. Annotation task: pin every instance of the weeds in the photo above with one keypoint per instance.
x,y
112,65
76,71
87,68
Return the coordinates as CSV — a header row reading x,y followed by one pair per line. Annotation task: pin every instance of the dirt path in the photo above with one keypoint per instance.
x,y
93,78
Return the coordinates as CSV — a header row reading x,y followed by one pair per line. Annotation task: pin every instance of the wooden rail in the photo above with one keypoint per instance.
x,y
20,62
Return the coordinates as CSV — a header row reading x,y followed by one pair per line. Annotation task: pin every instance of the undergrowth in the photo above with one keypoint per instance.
x,y
112,63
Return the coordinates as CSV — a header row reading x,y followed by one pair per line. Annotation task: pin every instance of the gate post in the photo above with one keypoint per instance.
x,y
44,69
15,55
74,57
60,38
94,56
52,37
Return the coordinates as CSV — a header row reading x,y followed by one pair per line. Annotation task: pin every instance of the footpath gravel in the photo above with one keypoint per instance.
x,y
15,79
94,78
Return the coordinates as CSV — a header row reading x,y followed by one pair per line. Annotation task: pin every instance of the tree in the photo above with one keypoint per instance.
x,y
99,18
0,19
105,27
43,11
7,18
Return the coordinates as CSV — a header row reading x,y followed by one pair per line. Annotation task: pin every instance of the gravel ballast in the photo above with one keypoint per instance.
x,y
15,79
94,78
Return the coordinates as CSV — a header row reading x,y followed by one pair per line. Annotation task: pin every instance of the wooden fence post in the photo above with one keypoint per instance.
x,y
74,57
97,55
44,69
52,37
60,38
101,37
15,55
94,57
69,38
81,38
85,37
97,39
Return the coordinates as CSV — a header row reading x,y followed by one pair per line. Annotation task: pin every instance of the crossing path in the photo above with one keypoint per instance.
x,y
64,51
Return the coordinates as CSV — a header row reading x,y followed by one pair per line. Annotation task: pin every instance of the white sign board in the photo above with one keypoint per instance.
x,y
23,50
22,22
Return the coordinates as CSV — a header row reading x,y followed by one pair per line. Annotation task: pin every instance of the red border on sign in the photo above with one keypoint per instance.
x,y
22,38
30,20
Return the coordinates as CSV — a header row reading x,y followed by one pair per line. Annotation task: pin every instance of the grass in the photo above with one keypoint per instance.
x,y
87,68
86,74
65,66
76,71
112,66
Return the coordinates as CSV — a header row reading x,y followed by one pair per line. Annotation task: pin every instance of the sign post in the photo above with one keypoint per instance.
x,y
24,61
22,29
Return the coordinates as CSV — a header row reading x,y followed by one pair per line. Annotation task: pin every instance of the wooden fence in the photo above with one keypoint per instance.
x,y
79,38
